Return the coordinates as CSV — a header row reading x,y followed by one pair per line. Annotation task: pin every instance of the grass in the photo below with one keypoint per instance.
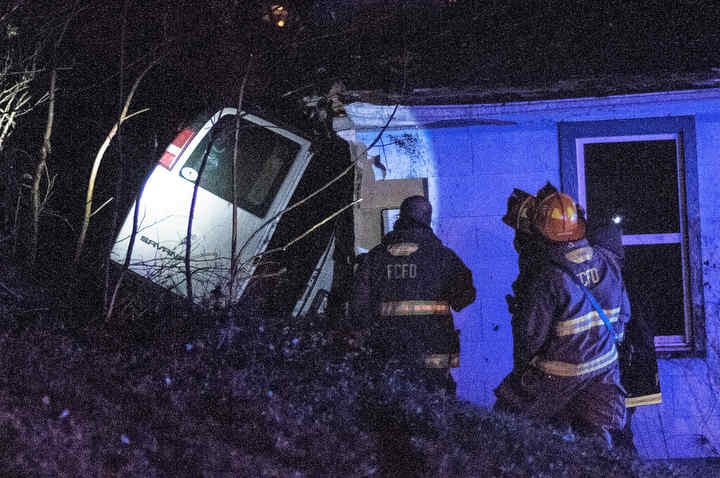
x,y
253,395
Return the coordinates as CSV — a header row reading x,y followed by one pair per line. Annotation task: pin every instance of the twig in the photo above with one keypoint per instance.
x,y
233,241
325,186
10,12
42,163
299,203
9,291
136,113
191,215
37,309
324,221
101,206
98,159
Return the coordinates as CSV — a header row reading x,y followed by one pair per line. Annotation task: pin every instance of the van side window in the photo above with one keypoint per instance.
x,y
264,158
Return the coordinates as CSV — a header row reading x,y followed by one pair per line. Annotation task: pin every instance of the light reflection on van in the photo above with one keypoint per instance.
x,y
271,160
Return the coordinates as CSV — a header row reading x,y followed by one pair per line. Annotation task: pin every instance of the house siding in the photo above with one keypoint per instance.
x,y
473,165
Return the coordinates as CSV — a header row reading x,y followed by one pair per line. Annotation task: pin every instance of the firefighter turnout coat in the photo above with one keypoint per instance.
x,y
567,360
404,291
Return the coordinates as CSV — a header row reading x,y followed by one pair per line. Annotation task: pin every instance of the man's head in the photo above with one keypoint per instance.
x,y
417,209
557,218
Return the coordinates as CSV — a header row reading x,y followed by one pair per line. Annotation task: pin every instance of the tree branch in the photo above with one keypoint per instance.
x,y
98,159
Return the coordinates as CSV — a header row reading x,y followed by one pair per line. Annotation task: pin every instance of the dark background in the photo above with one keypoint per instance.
x,y
204,49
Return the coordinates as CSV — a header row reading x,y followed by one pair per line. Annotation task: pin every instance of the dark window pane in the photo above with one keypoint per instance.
x,y
653,278
636,179
264,158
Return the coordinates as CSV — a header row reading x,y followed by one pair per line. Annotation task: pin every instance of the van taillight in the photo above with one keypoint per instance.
x,y
175,148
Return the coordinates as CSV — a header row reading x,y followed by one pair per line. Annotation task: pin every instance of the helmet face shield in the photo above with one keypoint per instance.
x,y
520,211
557,218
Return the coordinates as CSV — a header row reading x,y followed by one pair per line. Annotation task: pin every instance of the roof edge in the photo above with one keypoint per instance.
x,y
363,115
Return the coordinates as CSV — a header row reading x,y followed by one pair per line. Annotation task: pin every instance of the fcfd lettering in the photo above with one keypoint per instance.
x,y
589,277
401,271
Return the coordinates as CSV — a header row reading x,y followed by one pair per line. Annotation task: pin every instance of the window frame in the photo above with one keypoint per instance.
x,y
260,210
572,137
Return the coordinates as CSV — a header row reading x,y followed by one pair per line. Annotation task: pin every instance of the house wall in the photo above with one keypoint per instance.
x,y
472,157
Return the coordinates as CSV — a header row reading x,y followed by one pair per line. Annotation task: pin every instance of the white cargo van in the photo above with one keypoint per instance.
x,y
272,166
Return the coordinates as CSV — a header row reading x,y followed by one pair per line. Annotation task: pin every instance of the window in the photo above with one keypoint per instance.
x,y
264,159
389,216
645,172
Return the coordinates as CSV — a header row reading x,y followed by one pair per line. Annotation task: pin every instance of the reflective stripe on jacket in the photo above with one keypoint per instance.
x,y
415,307
565,369
564,334
404,290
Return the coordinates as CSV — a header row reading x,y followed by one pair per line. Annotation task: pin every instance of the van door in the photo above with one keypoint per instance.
x,y
270,162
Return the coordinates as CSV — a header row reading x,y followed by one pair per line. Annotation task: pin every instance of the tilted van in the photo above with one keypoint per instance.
x,y
276,168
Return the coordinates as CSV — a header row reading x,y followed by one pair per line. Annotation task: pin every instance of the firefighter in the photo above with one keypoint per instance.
x,y
403,292
520,208
566,361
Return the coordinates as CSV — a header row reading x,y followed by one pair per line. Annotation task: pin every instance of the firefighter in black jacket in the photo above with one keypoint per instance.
x,y
403,292
566,364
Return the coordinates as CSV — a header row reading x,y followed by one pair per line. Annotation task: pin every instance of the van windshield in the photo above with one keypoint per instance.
x,y
264,158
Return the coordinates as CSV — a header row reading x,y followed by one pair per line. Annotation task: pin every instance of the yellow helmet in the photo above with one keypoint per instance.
x,y
556,218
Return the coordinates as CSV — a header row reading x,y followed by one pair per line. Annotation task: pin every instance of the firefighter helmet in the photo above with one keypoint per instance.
x,y
520,209
557,218
545,191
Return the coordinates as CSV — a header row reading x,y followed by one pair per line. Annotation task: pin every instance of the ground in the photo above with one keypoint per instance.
x,y
197,394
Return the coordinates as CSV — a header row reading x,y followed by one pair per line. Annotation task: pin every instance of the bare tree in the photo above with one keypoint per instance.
x,y
40,168
191,215
17,72
233,245
41,163
124,116
15,98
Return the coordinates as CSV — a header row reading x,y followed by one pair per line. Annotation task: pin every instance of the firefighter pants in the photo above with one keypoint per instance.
x,y
593,402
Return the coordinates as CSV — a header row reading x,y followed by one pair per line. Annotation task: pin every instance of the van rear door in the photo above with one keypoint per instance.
x,y
270,162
